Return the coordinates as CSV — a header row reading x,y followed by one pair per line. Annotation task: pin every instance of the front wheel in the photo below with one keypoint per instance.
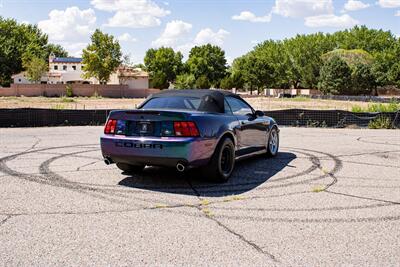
x,y
222,162
273,142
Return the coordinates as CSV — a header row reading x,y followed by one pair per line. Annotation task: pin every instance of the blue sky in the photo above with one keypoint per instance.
x,y
235,25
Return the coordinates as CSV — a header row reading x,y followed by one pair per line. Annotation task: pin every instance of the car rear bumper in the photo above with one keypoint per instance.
x,y
158,151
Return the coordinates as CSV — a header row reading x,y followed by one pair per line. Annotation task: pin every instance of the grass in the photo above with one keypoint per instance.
x,y
58,106
378,107
67,99
298,99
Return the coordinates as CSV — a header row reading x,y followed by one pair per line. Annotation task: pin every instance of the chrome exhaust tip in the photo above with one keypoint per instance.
x,y
108,161
180,167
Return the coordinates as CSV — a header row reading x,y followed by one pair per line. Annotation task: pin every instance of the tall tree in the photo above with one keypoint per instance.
x,y
364,82
209,61
35,68
16,40
101,57
304,58
55,49
163,60
335,77
185,81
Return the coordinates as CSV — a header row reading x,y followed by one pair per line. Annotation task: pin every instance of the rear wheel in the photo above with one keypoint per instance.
x,y
273,142
130,168
222,162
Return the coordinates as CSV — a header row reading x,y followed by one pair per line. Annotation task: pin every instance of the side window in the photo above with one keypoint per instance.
x,y
227,108
65,67
238,106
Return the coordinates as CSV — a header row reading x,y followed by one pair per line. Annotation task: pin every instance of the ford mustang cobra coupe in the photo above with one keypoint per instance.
x,y
205,129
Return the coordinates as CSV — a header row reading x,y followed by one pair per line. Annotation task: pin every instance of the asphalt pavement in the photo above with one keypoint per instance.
x,y
331,197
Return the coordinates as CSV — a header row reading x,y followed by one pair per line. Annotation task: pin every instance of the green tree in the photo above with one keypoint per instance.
x,y
55,49
101,57
159,80
164,60
209,61
360,37
35,68
227,82
15,41
303,58
352,57
237,72
335,77
202,83
363,80
185,81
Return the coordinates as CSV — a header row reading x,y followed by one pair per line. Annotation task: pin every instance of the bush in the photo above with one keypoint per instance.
x,y
335,77
380,122
202,83
185,81
68,91
378,107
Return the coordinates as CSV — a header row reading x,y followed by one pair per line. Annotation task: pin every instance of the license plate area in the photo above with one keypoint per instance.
x,y
140,128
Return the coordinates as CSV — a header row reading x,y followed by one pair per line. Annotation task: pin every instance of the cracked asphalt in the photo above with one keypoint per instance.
x,y
331,197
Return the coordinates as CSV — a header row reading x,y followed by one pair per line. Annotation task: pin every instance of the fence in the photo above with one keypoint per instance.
x,y
27,117
107,90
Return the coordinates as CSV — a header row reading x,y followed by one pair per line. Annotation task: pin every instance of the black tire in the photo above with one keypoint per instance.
x,y
272,150
130,168
222,163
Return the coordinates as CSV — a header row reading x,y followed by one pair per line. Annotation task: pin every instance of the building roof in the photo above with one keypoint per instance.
x,y
126,72
67,60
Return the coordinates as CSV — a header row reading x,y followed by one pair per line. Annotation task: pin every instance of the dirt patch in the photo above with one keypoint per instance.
x,y
261,103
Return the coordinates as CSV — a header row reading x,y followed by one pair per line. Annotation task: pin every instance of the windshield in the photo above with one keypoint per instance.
x,y
182,102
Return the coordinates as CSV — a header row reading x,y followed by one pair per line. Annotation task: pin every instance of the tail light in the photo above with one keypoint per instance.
x,y
186,128
111,126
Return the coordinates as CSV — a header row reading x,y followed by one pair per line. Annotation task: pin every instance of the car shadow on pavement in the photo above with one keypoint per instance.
x,y
248,174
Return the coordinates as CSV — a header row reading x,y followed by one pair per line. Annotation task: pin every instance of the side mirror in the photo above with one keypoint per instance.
x,y
259,113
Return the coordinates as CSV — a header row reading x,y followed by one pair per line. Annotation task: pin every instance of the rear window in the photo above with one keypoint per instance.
x,y
181,102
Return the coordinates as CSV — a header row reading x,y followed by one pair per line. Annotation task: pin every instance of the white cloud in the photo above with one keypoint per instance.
x,y
208,36
249,16
353,5
71,28
172,33
132,13
397,13
389,3
303,8
71,24
176,35
126,37
204,36
344,21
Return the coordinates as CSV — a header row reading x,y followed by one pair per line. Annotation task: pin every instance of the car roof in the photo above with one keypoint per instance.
x,y
193,92
215,98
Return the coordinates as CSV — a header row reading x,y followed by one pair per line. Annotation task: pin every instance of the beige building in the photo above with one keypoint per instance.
x,y
68,70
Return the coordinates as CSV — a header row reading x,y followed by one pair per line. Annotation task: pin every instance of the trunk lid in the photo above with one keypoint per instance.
x,y
147,122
